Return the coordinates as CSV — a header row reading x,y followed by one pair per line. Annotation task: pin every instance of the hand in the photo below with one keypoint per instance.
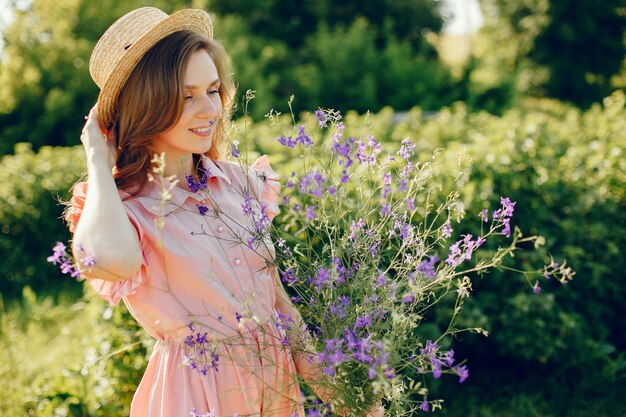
x,y
96,143
377,411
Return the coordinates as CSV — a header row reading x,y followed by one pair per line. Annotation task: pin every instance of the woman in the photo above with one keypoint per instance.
x,y
169,236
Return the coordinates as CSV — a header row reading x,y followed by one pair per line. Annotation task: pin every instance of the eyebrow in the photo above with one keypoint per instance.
x,y
192,87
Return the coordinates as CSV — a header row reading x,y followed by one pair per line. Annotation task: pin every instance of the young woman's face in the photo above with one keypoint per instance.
x,y
194,131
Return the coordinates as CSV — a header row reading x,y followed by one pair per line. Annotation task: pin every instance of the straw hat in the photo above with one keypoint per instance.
x,y
124,44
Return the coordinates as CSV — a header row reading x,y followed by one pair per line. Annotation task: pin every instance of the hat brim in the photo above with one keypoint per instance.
x,y
189,19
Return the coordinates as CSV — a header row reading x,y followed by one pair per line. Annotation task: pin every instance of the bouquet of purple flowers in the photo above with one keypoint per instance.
x,y
366,247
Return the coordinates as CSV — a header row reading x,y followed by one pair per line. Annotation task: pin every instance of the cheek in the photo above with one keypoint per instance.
x,y
218,104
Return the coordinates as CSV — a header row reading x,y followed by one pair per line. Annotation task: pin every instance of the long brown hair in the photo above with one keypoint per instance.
x,y
152,101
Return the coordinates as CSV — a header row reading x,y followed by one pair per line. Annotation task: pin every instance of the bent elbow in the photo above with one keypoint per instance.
x,y
113,265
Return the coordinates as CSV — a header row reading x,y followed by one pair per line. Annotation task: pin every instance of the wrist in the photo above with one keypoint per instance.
x,y
97,161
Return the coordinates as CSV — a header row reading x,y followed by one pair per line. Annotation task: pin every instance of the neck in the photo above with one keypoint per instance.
x,y
179,165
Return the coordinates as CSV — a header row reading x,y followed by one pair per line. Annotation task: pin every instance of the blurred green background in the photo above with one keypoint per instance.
x,y
535,97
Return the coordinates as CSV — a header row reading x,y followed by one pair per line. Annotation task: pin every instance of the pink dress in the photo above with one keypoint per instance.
x,y
199,269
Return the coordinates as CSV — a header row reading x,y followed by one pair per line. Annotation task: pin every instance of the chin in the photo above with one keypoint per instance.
x,y
203,148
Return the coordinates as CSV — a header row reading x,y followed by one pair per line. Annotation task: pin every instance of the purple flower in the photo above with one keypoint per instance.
x,y
287,141
305,182
319,180
289,276
247,205
436,364
446,230
360,152
312,412
507,206
322,117
386,190
322,276
448,357
506,229
202,209
458,255
381,280
58,253
536,288
283,321
342,149
332,190
428,267
310,213
88,260
354,228
196,183
484,215
263,220
506,211
303,138
234,150
430,349
68,268
407,170
362,321
345,177
191,183
374,144
408,298
338,308
406,149
332,355
374,248
463,373
425,406
403,228
384,211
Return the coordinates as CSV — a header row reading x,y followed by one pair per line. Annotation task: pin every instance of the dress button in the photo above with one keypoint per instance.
x,y
220,229
237,261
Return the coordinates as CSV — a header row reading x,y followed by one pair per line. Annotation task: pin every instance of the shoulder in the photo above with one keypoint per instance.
x,y
260,168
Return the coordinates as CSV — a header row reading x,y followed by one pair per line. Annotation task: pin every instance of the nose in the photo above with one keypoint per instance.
x,y
211,105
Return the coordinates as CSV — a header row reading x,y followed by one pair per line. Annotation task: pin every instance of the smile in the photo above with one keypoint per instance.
x,y
201,129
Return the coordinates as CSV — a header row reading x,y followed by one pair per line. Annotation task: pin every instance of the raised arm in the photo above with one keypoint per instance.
x,y
104,229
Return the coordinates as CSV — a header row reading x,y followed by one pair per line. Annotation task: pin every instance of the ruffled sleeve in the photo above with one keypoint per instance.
x,y
269,185
112,291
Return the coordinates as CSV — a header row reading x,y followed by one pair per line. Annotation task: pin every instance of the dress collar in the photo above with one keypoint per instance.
x,y
151,199
214,169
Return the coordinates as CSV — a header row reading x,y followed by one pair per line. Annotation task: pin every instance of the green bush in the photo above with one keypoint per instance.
x,y
72,359
560,351
565,168
345,56
31,185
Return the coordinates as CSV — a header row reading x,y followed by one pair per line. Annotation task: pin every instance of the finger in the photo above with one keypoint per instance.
x,y
93,113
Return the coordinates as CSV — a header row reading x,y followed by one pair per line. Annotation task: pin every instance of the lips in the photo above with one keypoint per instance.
x,y
201,129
